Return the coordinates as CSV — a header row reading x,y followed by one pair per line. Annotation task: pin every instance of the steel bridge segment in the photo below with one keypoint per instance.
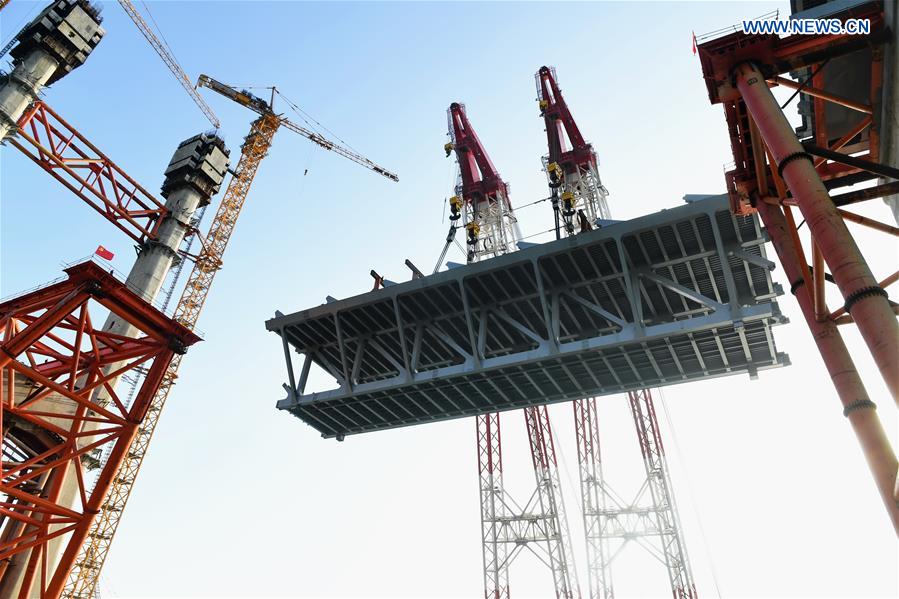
x,y
678,295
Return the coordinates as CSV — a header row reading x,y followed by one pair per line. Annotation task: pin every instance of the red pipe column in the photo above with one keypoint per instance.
x,y
857,406
868,302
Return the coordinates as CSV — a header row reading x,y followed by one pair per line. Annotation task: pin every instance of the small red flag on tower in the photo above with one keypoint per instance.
x,y
694,42
104,253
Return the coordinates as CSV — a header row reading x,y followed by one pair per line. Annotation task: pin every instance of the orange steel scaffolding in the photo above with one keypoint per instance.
x,y
58,148
777,171
51,353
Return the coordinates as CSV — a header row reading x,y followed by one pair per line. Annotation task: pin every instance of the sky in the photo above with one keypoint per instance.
x,y
238,499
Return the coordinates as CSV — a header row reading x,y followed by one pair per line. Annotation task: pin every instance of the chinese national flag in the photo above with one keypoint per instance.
x,y
104,253
694,42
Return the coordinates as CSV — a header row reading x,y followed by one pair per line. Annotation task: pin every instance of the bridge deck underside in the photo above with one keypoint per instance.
x,y
666,298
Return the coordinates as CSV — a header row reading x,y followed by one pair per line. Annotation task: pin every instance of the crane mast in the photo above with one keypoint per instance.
x,y
83,580
169,61
260,106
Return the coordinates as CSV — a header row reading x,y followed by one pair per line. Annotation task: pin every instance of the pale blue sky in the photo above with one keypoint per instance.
x,y
238,499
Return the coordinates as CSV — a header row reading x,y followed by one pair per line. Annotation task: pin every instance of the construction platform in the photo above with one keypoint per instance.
x,y
667,298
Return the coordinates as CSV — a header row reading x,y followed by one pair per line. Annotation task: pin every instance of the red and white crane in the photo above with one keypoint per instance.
x,y
539,525
481,197
572,167
610,522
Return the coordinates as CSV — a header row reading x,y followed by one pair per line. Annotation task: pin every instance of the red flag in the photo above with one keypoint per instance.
x,y
104,253
694,42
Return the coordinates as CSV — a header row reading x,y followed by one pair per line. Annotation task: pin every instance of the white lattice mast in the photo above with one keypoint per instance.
x,y
658,483
593,497
650,519
549,492
481,201
540,526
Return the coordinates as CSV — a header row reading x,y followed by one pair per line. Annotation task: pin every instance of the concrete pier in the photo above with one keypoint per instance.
x,y
193,176
55,43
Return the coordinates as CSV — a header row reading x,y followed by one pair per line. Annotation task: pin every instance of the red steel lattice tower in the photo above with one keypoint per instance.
x,y
54,360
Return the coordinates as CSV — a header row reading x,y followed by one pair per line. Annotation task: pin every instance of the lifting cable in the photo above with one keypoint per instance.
x,y
306,117
690,495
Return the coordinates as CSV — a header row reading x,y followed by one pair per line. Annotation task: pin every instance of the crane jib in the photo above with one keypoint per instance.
x,y
256,104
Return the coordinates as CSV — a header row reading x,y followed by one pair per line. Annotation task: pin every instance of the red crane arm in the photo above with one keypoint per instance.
x,y
479,177
559,123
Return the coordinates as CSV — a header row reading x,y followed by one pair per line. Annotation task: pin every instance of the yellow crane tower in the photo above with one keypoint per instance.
x,y
85,575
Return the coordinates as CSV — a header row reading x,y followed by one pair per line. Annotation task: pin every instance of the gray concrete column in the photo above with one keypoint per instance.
x,y
57,41
193,176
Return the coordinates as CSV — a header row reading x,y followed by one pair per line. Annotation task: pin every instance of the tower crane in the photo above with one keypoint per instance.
x,y
169,59
83,580
260,106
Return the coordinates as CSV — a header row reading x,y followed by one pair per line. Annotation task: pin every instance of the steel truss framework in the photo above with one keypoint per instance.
x,y
776,173
496,226
82,583
540,525
590,196
52,354
662,299
574,171
611,522
58,148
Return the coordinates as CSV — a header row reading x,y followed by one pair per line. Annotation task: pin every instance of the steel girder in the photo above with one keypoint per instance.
x,y
666,298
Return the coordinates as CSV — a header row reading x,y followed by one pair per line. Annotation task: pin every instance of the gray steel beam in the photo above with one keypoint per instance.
x,y
479,340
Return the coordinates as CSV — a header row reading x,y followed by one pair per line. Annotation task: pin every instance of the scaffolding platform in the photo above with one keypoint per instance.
x,y
675,296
